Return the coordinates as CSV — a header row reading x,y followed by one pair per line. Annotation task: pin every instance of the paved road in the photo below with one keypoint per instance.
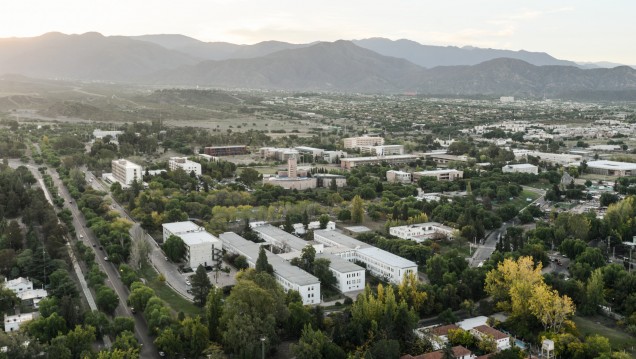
x,y
174,278
148,349
484,251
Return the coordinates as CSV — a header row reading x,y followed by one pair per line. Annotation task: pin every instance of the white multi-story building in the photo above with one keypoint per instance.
x,y
350,277
520,168
18,285
440,175
285,241
393,176
350,162
380,262
185,164
384,150
202,248
422,231
555,158
290,277
14,322
125,172
355,142
99,134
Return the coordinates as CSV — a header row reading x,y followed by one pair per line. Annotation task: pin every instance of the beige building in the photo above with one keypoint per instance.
x,y
440,175
611,168
384,150
125,172
349,163
355,142
292,178
398,176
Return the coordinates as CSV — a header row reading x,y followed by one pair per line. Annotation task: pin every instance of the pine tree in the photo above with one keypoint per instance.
x,y
262,265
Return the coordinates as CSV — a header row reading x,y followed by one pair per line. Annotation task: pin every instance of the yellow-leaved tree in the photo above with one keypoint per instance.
x,y
518,288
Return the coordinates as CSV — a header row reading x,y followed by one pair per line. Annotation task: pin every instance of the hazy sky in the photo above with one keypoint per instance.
x,y
581,30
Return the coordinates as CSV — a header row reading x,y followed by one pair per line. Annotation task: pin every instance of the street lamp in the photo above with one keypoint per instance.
x,y
263,347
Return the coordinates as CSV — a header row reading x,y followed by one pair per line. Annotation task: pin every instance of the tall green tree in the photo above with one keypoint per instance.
x,y
175,248
200,286
213,313
262,265
357,209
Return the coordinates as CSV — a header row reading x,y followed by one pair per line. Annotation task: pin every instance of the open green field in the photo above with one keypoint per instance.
x,y
163,291
521,201
597,325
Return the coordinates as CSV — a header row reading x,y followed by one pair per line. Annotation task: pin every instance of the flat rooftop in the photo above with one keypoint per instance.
x,y
386,257
522,165
376,158
278,234
612,165
196,238
182,227
435,172
340,238
339,264
281,267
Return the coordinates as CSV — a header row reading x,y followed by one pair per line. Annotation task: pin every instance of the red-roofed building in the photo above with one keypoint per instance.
x,y
459,352
483,331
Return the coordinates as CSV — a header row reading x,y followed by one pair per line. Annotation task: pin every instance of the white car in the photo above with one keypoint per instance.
x,y
188,282
106,258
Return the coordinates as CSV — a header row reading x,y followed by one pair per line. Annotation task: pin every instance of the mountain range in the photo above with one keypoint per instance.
x,y
373,65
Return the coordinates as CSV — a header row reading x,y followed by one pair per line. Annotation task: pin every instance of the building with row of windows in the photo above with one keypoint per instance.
x,y
202,248
422,231
185,164
379,262
289,276
219,151
356,142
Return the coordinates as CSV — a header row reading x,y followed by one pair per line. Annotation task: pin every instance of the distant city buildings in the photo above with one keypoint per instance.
x,y
422,231
440,175
185,164
520,168
384,150
220,151
349,163
356,142
611,168
393,176
99,134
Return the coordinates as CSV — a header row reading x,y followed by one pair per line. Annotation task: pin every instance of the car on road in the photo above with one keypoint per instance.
x,y
106,258
162,354
132,309
188,282
94,245
81,236
100,247
189,291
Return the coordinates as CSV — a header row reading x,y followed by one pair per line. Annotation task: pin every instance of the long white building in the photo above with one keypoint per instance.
x,y
202,248
289,276
520,168
349,276
185,164
379,262
421,231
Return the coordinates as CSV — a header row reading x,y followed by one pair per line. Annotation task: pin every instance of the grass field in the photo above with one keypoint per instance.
x,y
521,201
163,291
598,325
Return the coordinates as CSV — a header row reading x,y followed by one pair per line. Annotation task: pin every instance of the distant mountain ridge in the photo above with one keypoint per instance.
x,y
341,66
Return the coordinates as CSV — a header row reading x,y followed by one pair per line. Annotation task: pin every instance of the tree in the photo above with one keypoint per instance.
x,y
200,286
324,221
121,324
250,176
175,248
106,299
194,337
126,342
241,263
357,209
307,258
213,313
262,265
169,342
344,215
288,225
594,293
139,296
314,344
512,283
461,337
79,340
549,307
322,272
